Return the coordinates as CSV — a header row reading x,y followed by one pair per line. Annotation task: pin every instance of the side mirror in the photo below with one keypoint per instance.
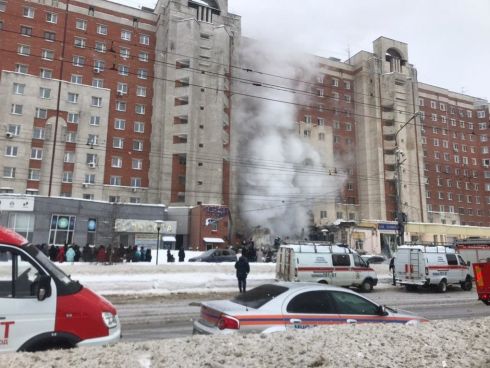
x,y
468,263
43,287
382,311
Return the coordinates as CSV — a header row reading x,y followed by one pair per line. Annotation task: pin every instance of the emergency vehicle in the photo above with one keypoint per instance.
x,y
473,250
438,266
42,308
482,280
327,264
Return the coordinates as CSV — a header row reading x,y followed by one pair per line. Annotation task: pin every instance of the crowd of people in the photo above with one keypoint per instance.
x,y
98,254
102,254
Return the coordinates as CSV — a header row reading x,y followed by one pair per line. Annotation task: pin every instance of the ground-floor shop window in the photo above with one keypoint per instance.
x,y
61,229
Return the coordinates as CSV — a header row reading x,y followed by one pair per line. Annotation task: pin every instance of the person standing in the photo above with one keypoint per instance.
x,y
181,254
392,269
242,270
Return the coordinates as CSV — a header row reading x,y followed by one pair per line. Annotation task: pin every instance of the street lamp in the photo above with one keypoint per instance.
x,y
159,225
399,154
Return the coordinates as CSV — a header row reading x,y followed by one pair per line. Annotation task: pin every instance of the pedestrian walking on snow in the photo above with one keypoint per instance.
x,y
242,270
392,268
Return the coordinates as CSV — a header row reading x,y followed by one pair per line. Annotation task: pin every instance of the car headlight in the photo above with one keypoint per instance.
x,y
109,319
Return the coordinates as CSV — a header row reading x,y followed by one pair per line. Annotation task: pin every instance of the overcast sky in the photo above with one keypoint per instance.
x,y
448,40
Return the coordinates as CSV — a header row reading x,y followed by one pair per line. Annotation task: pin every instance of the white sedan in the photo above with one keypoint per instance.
x,y
293,305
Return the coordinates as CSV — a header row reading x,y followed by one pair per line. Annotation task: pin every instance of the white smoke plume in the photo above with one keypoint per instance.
x,y
280,175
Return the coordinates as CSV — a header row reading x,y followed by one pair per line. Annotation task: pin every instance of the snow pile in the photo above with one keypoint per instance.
x,y
453,343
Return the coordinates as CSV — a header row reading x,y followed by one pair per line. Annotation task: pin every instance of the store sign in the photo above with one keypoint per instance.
x,y
389,227
16,204
145,226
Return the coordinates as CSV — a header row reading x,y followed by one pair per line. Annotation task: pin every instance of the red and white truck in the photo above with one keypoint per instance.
x,y
473,250
482,280
43,308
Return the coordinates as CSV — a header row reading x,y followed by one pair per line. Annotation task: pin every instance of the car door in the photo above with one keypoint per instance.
x,y
454,272
353,308
22,315
342,273
308,309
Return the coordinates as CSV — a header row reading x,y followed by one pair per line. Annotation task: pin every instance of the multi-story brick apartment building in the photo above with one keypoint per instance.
x,y
108,102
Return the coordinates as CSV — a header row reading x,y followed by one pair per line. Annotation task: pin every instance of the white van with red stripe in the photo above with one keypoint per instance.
x,y
42,308
438,266
327,264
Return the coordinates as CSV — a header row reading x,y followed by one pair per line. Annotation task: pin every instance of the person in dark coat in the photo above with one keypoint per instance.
x,y
170,257
181,254
392,268
242,270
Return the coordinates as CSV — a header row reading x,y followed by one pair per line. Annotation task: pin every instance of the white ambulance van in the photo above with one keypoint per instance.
x,y
438,266
328,264
42,308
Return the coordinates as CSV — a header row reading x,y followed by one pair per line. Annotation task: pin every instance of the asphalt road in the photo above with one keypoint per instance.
x,y
150,318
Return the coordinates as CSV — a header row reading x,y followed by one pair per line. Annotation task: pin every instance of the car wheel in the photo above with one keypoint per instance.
x,y
467,284
366,286
442,287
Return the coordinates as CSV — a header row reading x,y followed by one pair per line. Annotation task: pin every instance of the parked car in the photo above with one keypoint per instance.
x,y
293,305
216,255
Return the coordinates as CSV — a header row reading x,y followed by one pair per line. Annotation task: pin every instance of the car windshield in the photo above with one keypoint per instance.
x,y
207,253
259,296
58,275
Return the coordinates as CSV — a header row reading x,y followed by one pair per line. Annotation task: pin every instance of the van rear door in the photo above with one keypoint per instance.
x,y
22,315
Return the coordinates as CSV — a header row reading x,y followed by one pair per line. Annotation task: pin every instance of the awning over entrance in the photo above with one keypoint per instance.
x,y
168,238
213,240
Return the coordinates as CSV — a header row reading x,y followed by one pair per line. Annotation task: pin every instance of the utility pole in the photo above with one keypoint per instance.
x,y
400,158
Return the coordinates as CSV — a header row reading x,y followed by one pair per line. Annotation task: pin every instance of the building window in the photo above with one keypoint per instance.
x,y
115,180
93,140
126,35
41,113
117,142
80,42
62,229
321,136
11,151
95,120
140,91
143,56
142,74
78,61
73,97
71,137
21,68
73,117
49,36
38,133
24,50
120,106
14,129
36,154
137,145
119,124
81,24
101,29
122,88
144,39
98,83
9,172
19,89
136,182
69,157
137,164
44,92
34,174
46,73
28,12
96,101
25,31
140,109
76,79
52,18
335,82
89,179
139,127
123,70
47,54
67,177
116,162
100,46
16,109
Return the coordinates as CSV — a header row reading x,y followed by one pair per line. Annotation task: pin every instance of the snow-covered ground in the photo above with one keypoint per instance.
x,y
451,343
